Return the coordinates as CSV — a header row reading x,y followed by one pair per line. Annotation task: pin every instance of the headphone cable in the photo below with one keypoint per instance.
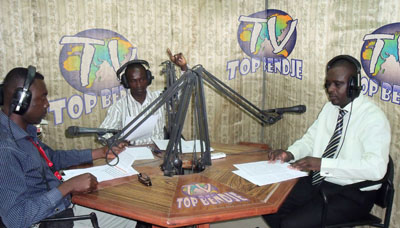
x,y
345,131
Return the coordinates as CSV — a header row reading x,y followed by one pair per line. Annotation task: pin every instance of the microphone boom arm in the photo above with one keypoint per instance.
x,y
177,105
262,116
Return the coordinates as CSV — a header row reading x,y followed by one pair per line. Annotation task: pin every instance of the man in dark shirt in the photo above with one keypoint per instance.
x,y
30,189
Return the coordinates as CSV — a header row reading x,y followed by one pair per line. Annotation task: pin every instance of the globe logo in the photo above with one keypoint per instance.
x,y
88,60
380,55
267,34
199,189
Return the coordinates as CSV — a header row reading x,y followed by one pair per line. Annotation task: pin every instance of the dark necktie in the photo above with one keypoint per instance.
x,y
332,146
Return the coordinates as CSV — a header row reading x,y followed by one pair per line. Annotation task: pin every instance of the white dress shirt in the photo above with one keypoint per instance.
x,y
363,151
129,107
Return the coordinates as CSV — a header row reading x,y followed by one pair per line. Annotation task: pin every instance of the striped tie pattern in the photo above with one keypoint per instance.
x,y
332,146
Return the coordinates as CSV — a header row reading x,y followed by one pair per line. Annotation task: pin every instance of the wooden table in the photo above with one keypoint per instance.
x,y
214,195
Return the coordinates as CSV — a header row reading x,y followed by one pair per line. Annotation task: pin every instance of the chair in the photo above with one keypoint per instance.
x,y
384,199
92,216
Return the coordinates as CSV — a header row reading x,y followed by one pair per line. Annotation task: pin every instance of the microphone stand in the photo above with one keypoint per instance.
x,y
176,97
263,116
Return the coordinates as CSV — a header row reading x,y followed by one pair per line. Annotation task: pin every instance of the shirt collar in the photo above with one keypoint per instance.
x,y
355,103
146,100
18,132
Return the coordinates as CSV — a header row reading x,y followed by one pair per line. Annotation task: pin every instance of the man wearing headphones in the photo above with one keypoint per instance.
x,y
348,143
30,185
136,76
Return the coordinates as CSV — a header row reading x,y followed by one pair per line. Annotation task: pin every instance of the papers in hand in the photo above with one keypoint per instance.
x,y
264,172
145,130
187,146
122,169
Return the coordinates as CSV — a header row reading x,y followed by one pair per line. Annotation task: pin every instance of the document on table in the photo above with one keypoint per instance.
x,y
187,146
122,169
264,172
145,130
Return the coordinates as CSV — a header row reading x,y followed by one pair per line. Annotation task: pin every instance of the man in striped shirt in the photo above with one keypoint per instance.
x,y
136,78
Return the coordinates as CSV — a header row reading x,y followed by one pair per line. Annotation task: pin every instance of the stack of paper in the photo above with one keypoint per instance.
x,y
217,155
122,169
187,146
265,172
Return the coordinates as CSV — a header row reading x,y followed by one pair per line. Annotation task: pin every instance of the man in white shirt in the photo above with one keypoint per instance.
x,y
337,151
136,76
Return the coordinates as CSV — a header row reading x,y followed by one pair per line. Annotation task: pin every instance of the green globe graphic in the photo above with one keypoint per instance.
x,y
102,50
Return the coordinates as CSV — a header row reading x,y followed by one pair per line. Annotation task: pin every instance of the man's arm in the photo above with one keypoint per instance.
x,y
178,59
102,151
20,207
365,152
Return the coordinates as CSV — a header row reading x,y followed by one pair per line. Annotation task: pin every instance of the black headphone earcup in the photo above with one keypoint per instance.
x,y
149,77
124,81
20,101
350,88
353,88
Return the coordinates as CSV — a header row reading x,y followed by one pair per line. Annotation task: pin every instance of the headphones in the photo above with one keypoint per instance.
x,y
22,96
122,78
354,84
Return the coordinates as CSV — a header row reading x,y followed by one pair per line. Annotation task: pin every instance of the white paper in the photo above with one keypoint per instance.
x,y
130,154
102,173
122,169
187,146
145,130
217,155
265,172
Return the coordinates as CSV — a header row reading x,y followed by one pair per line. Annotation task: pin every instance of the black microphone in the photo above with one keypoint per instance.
x,y
295,109
74,131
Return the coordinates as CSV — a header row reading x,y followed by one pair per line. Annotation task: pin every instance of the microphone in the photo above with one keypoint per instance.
x,y
295,109
74,131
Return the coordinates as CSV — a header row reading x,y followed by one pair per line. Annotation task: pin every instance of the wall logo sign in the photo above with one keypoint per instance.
x,y
381,63
269,33
268,38
206,194
88,61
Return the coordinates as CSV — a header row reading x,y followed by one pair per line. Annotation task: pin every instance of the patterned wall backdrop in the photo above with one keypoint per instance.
x,y
206,31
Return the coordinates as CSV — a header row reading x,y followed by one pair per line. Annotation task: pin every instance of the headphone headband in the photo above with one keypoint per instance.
x,y
22,96
30,77
348,58
122,77
137,61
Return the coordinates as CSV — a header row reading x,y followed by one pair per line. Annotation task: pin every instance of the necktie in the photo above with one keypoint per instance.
x,y
332,146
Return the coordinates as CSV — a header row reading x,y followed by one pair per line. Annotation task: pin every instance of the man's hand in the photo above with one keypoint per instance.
x,y
307,164
280,154
101,152
178,59
83,183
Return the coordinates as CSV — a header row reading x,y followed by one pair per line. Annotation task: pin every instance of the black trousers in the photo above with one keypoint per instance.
x,y
303,206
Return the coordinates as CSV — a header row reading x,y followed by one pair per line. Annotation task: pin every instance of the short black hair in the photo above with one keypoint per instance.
x,y
133,66
13,78
341,60
17,75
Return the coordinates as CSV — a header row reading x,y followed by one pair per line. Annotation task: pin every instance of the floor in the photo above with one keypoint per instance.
x,y
254,222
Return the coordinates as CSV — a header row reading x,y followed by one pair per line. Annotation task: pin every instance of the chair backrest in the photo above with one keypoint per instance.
x,y
383,197
2,224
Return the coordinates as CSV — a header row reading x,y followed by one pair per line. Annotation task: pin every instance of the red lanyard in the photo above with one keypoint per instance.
x,y
49,163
